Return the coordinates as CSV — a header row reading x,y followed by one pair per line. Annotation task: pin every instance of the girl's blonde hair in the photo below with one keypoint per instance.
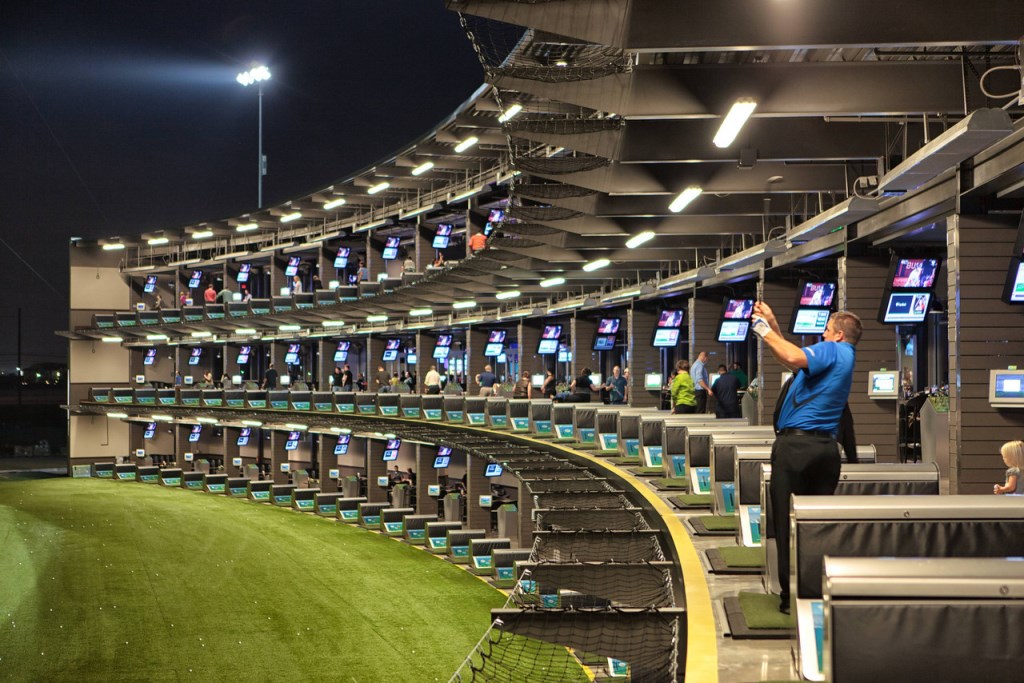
x,y
1013,453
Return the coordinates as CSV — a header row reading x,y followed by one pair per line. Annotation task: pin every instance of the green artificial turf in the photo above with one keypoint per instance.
x,y
761,611
718,523
741,556
103,581
673,483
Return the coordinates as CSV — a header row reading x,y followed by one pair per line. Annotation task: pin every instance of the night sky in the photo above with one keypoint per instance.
x,y
121,117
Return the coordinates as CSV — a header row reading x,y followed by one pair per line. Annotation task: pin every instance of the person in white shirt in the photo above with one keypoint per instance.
x,y
432,382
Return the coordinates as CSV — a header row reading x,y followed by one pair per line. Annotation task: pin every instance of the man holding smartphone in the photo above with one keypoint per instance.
x,y
805,456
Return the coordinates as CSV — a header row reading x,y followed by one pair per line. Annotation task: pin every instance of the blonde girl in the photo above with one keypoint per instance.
x,y
1013,457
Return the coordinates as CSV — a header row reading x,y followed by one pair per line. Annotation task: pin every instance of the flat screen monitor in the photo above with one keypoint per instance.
x,y
501,357
1006,388
443,457
444,340
733,330
608,325
150,357
604,342
653,380
150,430
243,272
549,340
410,359
341,257
496,336
665,337
292,356
292,442
738,309
341,447
195,356
1013,290
441,352
495,217
243,436
442,236
150,285
670,319
817,293
292,269
564,355
883,384
391,449
197,277
914,273
810,320
906,307
244,352
197,431
537,380
391,347
493,470
285,379
341,353
494,349
391,248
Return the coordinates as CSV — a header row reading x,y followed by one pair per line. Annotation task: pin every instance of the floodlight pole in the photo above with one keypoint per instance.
x,y
261,162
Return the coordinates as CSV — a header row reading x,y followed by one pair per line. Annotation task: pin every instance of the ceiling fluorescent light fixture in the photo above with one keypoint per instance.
x,y
420,312
334,203
567,306
595,265
466,144
467,194
294,216
252,423
296,426
202,234
112,340
643,238
117,415
157,337
423,168
113,246
755,254
510,113
248,331
379,187
977,131
163,418
370,226
552,282
684,198
734,121
842,214
334,323
207,420
518,314
615,296
199,335
246,227
289,328
467,321
156,241
469,303
376,318
417,212
513,294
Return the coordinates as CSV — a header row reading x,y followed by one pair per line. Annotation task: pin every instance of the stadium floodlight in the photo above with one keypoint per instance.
x,y
257,74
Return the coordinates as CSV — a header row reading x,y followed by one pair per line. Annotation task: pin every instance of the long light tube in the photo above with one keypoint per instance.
x,y
643,238
684,198
734,121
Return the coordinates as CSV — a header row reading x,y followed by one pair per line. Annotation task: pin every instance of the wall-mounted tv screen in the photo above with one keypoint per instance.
x,y
604,342
243,272
665,337
341,353
410,359
341,258
291,357
150,357
496,336
493,470
914,273
443,458
292,269
391,248
244,352
1006,388
608,325
391,449
549,340
341,447
243,436
810,320
1013,290
564,355
670,319
817,293
906,307
150,430
653,380
738,309
197,277
492,350
150,285
292,442
883,384
391,347
443,346
733,330
442,236
493,218
197,431
195,356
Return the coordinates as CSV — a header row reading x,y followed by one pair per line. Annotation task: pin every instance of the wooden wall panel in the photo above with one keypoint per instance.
x,y
643,358
780,297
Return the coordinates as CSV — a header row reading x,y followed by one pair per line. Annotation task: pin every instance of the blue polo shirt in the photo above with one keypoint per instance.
x,y
699,373
818,394
487,379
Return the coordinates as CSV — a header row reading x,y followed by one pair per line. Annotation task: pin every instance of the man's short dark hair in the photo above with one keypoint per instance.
x,y
849,324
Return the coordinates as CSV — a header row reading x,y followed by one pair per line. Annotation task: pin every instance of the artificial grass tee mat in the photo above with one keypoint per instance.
x,y
104,581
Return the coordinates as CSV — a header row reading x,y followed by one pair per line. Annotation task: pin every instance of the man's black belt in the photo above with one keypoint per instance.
x,y
793,431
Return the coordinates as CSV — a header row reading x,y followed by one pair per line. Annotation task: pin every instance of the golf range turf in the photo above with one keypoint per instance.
x,y
119,581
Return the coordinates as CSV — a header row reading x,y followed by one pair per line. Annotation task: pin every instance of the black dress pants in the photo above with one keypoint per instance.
x,y
802,466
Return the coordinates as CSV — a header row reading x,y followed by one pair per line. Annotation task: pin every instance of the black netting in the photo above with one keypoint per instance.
x,y
513,243
566,485
577,500
552,190
543,213
527,229
590,520
598,546
578,163
563,126
596,585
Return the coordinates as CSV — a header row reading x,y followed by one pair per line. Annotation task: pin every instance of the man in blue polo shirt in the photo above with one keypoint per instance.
x,y
805,456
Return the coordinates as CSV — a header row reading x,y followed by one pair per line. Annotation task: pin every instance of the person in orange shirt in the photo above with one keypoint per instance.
x,y
210,295
477,242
